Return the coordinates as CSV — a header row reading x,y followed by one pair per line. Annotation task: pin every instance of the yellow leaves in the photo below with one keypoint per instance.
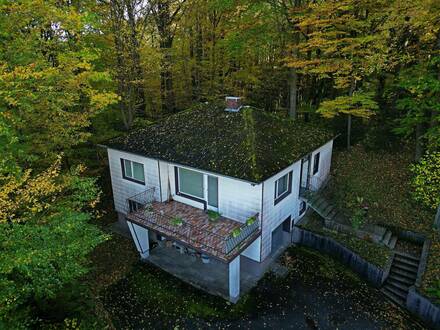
x,y
25,194
359,105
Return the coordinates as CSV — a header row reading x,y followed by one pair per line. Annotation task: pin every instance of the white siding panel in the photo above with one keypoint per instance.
x,y
253,251
325,160
274,215
122,188
238,200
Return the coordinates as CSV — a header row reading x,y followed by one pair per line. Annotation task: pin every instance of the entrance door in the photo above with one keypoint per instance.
x,y
305,168
212,193
287,224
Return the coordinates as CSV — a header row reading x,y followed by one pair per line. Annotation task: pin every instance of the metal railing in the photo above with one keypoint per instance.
x,y
185,232
245,231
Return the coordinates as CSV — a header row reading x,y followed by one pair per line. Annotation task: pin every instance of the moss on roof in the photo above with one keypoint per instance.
x,y
251,144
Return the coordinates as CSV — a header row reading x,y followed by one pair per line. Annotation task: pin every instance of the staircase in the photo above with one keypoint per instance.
x,y
402,276
388,239
336,220
320,205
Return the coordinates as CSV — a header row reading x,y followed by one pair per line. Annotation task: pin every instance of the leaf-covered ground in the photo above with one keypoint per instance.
x,y
317,292
375,253
382,179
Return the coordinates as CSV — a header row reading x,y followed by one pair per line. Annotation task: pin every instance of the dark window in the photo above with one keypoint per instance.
x,y
283,187
132,171
189,184
316,163
302,208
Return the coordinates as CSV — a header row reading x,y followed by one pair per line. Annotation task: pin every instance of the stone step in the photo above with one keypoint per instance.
x,y
397,292
398,284
401,265
410,262
404,273
328,210
406,255
392,243
332,214
401,279
386,238
393,297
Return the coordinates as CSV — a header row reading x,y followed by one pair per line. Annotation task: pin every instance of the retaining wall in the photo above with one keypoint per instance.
x,y
423,307
370,272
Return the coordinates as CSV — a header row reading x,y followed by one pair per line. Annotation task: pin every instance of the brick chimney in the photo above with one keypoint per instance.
x,y
233,103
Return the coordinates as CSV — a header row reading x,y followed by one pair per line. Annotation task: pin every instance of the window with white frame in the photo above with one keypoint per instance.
x,y
133,171
283,187
191,183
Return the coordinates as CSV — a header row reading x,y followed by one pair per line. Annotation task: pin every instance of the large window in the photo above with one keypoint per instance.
x,y
283,187
316,163
191,183
133,171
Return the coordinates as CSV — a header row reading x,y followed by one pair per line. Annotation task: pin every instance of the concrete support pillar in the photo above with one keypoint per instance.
x,y
234,279
140,238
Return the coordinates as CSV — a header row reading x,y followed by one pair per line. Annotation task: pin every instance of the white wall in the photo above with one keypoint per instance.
x,y
253,251
325,161
274,215
122,188
238,200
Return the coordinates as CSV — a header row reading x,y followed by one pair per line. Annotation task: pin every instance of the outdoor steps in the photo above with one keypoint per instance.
x,y
389,239
321,205
402,276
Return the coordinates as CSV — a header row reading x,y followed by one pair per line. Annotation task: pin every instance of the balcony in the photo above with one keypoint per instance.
x,y
222,238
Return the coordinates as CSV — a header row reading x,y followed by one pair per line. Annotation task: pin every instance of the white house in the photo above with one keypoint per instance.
x,y
211,195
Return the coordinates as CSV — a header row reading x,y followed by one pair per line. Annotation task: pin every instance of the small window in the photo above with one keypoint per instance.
x,y
283,187
316,163
302,208
133,171
191,183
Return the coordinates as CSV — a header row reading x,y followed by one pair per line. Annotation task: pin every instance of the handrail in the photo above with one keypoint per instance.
x,y
163,222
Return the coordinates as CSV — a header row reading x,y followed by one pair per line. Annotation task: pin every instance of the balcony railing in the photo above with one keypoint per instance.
x,y
146,212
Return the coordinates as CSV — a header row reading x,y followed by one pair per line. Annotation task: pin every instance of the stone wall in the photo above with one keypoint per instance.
x,y
370,272
423,307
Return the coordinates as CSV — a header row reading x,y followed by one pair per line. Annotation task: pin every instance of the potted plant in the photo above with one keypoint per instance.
x,y
213,215
251,220
177,221
236,232
205,259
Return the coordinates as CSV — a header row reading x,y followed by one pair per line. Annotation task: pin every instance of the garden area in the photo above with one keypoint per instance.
x,y
379,181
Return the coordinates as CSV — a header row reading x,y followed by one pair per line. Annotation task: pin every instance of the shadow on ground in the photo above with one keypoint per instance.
x,y
317,292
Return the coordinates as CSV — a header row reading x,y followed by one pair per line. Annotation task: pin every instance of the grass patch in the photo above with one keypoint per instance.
x,y
374,253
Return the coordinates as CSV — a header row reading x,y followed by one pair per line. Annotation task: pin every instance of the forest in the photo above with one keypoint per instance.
x,y
76,73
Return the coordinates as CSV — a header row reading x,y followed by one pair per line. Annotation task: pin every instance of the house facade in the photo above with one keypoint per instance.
x,y
209,221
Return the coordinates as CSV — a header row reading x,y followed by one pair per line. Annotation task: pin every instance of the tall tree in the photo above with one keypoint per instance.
x,y
340,42
166,14
128,19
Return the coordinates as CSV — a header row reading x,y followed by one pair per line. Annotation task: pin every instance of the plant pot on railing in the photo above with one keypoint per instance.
x,y
205,259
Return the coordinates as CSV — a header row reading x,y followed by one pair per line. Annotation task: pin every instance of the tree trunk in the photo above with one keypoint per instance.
x,y
419,147
293,92
437,219
350,93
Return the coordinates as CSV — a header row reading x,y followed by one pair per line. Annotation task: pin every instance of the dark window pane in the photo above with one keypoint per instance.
x,y
191,182
212,191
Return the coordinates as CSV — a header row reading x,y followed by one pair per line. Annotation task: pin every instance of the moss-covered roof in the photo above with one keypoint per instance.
x,y
251,144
